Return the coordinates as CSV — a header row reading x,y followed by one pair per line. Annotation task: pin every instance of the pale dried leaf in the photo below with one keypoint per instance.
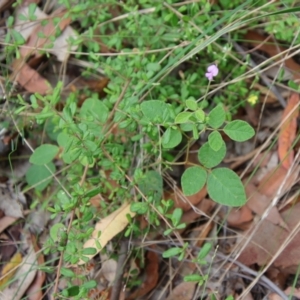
x,y
107,228
109,270
23,278
29,31
9,204
183,291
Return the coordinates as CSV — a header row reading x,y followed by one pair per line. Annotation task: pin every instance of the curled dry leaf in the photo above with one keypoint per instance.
x,y
151,272
288,131
108,228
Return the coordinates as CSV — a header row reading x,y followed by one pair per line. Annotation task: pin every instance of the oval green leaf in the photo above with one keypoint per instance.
x,y
210,158
95,108
39,176
157,111
215,140
191,104
216,117
43,154
171,138
193,180
225,187
183,117
239,131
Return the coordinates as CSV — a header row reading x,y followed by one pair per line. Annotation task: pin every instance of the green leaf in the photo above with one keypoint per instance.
x,y
239,131
210,158
36,174
55,231
157,111
89,251
18,39
204,251
171,138
139,207
200,115
73,291
176,216
216,117
183,117
191,104
90,284
172,252
193,278
153,67
67,272
152,185
225,187
193,180
43,154
215,140
96,108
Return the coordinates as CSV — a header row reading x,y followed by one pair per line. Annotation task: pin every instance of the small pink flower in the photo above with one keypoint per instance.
x,y
212,71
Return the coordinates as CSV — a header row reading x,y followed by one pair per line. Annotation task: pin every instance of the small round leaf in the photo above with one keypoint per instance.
x,y
193,180
43,154
239,131
210,158
171,138
225,187
216,117
215,140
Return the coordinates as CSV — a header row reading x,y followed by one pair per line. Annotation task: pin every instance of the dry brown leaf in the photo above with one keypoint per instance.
x,y
271,182
185,202
258,203
6,221
23,278
107,228
10,269
239,216
30,32
151,272
204,207
269,238
30,79
288,131
183,291
35,291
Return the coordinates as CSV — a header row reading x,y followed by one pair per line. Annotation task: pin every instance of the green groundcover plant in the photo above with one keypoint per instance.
x,y
173,80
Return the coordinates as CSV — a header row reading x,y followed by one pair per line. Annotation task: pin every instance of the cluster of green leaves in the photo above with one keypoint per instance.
x,y
161,109
224,186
